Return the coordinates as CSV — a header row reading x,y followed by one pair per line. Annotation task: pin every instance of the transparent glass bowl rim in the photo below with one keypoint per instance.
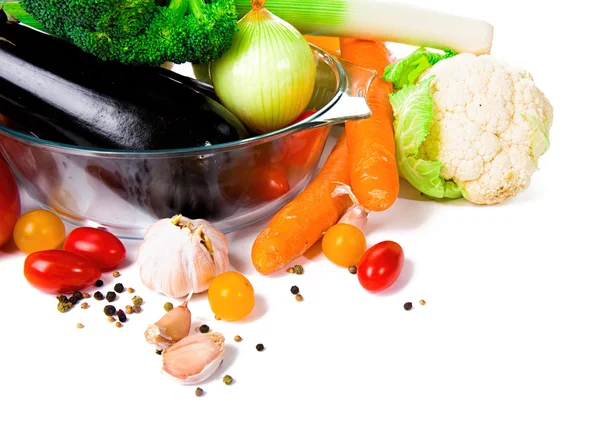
x,y
308,122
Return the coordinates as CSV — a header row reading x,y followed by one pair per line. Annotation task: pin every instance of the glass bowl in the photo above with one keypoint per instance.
x,y
232,184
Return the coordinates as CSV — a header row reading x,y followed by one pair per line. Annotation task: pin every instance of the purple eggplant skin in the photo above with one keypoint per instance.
x,y
61,93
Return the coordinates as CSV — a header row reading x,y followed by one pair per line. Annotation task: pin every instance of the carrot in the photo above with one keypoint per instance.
x,y
330,44
300,224
371,144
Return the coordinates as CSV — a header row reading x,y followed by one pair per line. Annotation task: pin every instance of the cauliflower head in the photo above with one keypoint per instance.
x,y
467,125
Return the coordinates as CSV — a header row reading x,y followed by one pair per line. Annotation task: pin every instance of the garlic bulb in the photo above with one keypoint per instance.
x,y
171,328
357,214
179,256
194,358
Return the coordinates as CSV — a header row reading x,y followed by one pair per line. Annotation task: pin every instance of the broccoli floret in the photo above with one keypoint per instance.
x,y
143,32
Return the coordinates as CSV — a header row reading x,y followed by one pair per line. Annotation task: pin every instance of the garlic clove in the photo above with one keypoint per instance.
x,y
357,215
171,328
194,358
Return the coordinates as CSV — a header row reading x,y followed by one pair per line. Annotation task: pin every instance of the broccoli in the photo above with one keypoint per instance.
x,y
142,32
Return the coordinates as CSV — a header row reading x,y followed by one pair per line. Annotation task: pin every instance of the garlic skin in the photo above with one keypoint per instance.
x,y
172,327
357,215
179,256
194,358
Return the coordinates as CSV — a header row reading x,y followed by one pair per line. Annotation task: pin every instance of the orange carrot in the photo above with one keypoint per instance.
x,y
300,224
371,144
330,44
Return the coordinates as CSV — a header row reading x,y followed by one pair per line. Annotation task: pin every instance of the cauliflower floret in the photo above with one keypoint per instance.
x,y
489,127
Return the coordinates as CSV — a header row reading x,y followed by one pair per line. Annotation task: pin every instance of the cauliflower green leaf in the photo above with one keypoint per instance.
x,y
413,113
407,71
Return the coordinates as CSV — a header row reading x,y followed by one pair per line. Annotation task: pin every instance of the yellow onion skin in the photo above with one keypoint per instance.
x,y
268,75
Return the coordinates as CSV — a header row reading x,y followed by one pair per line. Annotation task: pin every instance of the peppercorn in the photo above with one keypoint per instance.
x,y
128,309
79,326
73,300
110,310
297,269
299,298
86,296
295,290
98,295
130,290
352,270
121,315
199,392
119,288
136,300
237,338
204,329
168,306
110,319
85,305
408,306
260,347
78,295
99,283
227,379
158,351
422,302
62,298
116,274
118,324
63,307
137,309
111,296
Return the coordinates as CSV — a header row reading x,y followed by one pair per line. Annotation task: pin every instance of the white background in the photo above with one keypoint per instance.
x,y
507,344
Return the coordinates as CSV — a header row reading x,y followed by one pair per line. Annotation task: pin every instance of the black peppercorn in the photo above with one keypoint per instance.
x,y
119,288
121,315
111,296
98,296
73,300
199,392
99,283
77,295
158,352
62,298
408,306
204,329
260,347
110,310
295,290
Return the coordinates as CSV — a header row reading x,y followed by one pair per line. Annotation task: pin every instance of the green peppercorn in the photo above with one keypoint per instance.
x,y
119,288
137,309
204,329
352,270
136,300
260,347
297,270
199,392
111,296
295,290
99,283
227,379
98,295
408,306
168,306
110,310
63,307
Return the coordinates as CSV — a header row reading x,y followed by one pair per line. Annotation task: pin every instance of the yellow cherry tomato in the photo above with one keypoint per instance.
x,y
344,244
38,230
231,296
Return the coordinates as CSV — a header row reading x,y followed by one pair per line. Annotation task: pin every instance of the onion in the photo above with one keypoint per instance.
x,y
268,75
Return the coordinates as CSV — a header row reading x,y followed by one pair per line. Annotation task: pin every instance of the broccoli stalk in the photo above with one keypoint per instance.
x,y
142,32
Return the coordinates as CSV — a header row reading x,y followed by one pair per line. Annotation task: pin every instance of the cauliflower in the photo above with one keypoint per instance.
x,y
467,125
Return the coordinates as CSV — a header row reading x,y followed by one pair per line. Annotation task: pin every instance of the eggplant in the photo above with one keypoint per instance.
x,y
61,93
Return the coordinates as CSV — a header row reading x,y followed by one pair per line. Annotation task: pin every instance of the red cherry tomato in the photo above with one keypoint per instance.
x,y
297,149
101,247
59,271
10,203
380,266
269,182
